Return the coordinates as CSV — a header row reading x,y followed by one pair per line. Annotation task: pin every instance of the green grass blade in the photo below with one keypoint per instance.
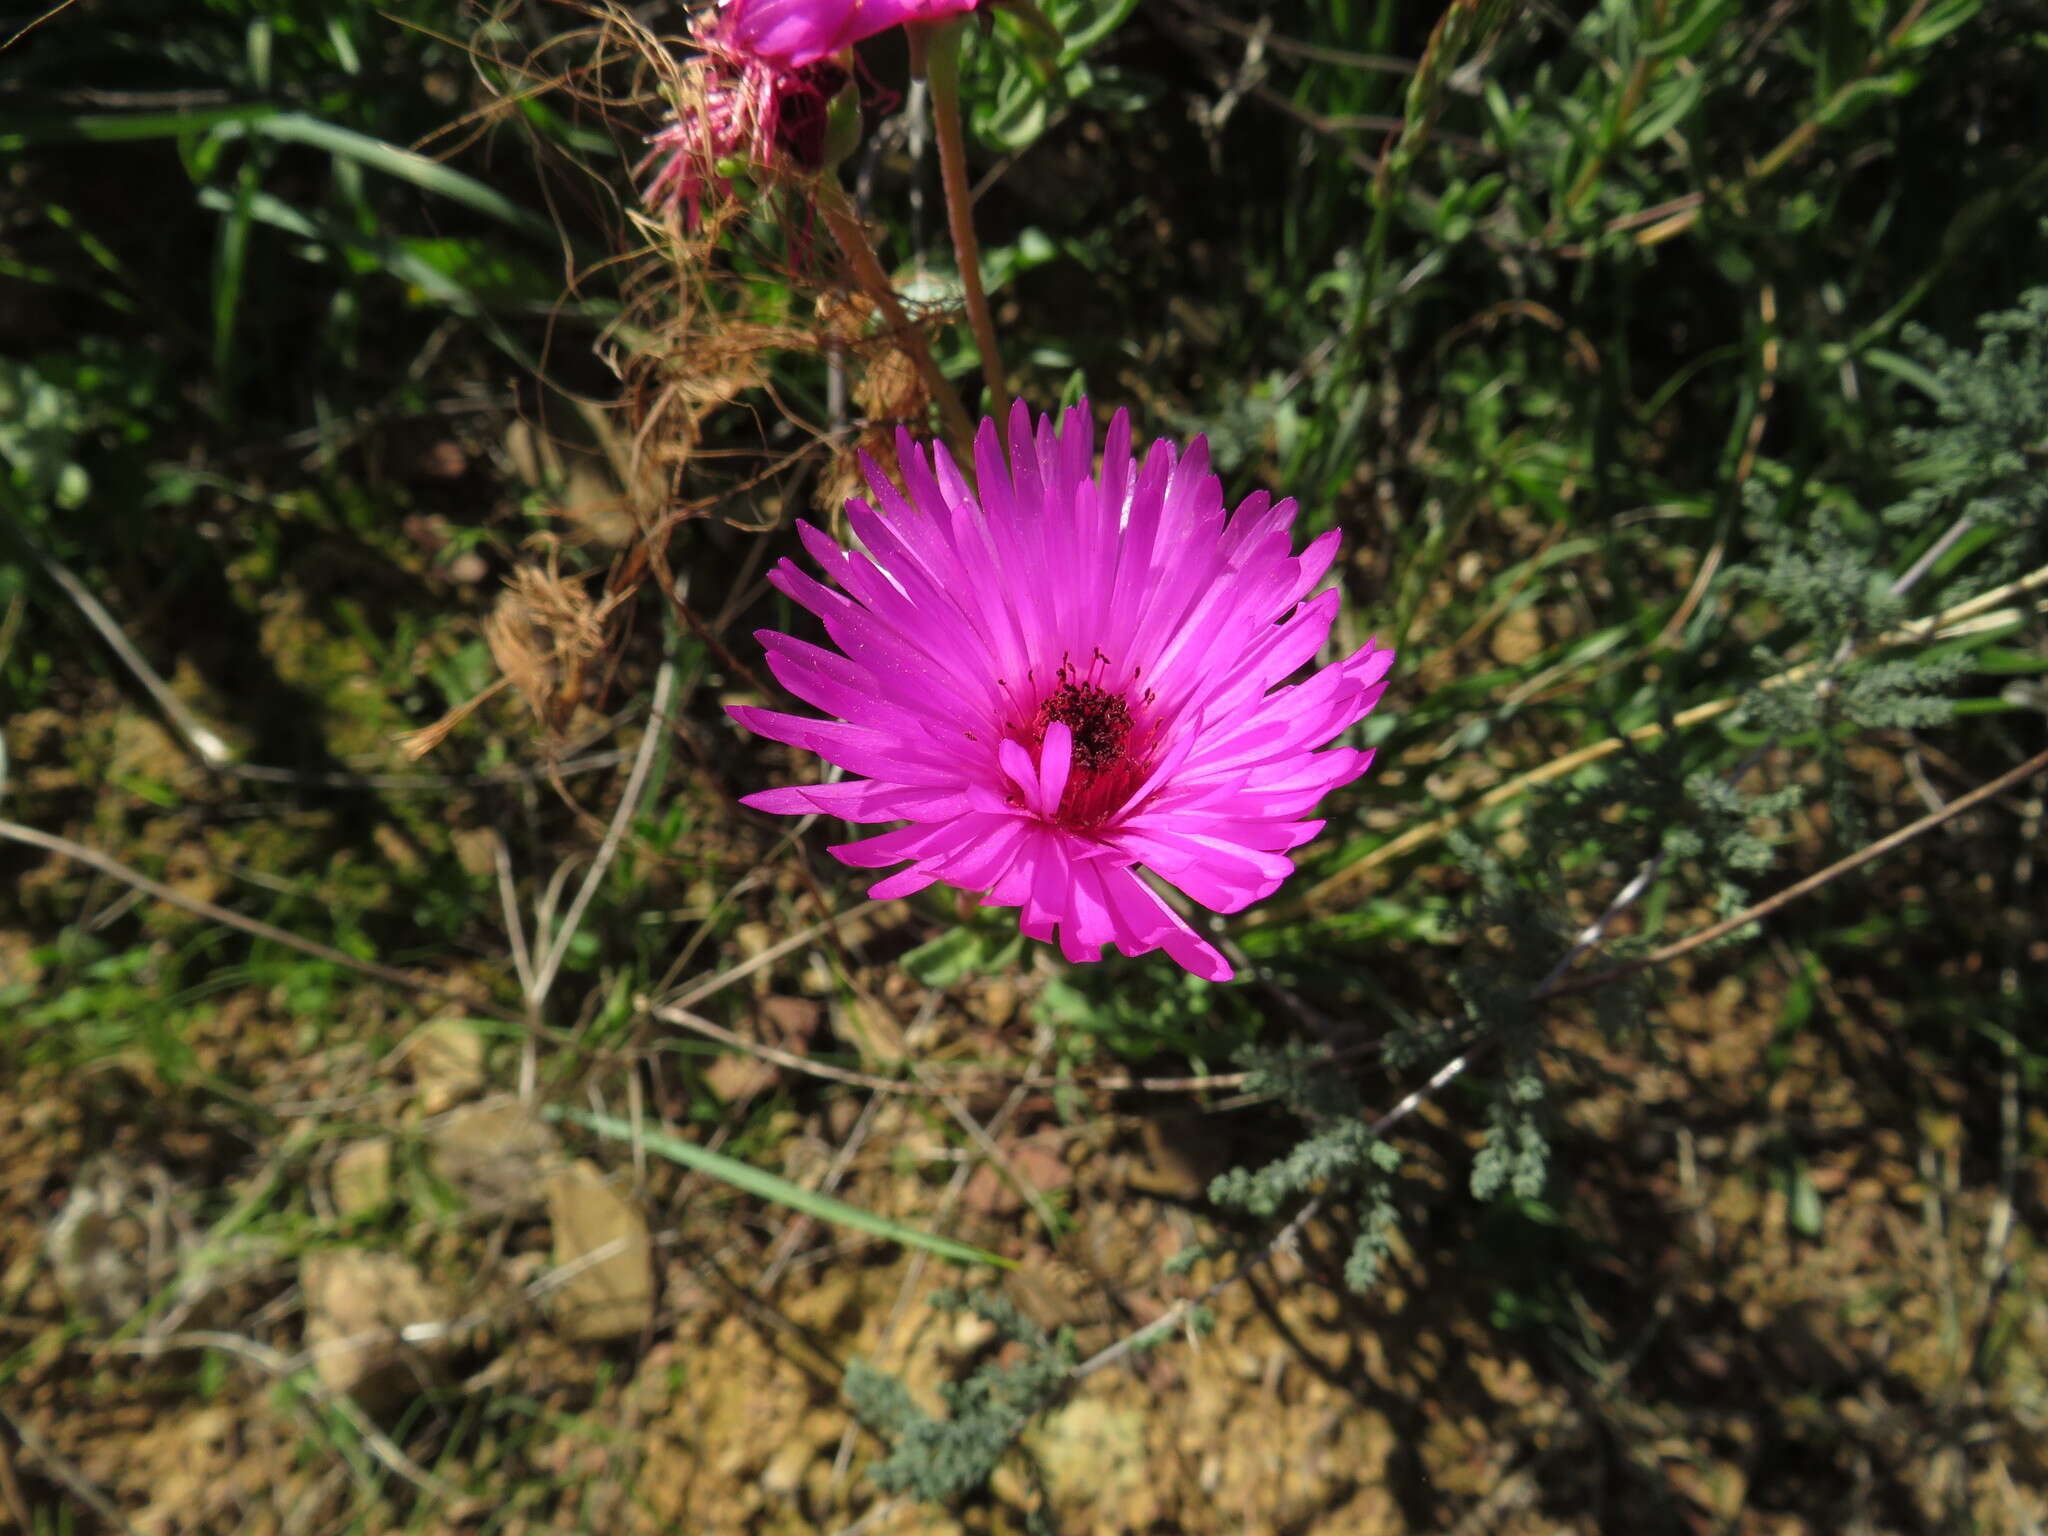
x,y
779,1190
126,127
427,174
231,252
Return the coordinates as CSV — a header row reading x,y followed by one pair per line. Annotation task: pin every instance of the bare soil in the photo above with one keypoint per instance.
x,y
1741,1341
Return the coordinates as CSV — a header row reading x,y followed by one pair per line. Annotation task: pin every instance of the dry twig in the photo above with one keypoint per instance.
x,y
1762,909
106,864
1964,618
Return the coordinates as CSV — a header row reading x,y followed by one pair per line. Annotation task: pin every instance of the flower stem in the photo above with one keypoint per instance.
x,y
846,228
941,46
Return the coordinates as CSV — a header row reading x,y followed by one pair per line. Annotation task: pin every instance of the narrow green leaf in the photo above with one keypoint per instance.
x,y
940,962
769,1186
125,127
427,174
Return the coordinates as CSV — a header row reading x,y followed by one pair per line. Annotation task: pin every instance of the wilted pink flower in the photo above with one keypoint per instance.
x,y
1073,675
760,87
755,114
794,33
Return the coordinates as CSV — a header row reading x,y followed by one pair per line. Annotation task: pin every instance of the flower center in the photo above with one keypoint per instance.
x,y
1099,719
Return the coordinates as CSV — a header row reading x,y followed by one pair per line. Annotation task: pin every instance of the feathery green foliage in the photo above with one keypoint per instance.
x,y
946,1459
1984,458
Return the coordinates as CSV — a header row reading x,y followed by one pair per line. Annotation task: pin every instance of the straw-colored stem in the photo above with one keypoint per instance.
x,y
846,228
1947,624
942,59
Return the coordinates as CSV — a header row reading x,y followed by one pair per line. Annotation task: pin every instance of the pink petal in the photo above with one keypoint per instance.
x,y
859,800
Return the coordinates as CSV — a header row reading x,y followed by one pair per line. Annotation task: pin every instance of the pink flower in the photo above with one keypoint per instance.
x,y
793,33
1073,676
759,90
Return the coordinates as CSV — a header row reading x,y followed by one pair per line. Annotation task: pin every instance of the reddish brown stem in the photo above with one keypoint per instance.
x,y
846,228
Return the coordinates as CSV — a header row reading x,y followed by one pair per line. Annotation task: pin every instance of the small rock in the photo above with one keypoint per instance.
x,y
756,939
784,1474
356,1303
971,1334
1040,1165
1181,1156
444,460
476,850
870,1030
827,1306
468,568
360,1180
737,1076
1035,1163
110,1245
19,966
791,1022
607,1298
495,1154
447,1058
1518,638
988,1193
398,849
995,1001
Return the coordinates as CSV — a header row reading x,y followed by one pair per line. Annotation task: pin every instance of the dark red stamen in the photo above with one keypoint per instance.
x,y
1099,719
804,111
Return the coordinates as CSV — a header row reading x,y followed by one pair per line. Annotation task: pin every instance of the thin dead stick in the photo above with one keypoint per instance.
x,y
674,1013
285,1367
939,1080
801,1224
508,898
1692,941
62,5
985,1143
689,997
629,801
420,782
791,835
1176,1315
14,831
1997,1262
939,42
1123,1082
1766,389
844,223
793,1233
12,1498
1640,885
1943,625
64,1472
1933,554
205,743
1344,58
1285,1238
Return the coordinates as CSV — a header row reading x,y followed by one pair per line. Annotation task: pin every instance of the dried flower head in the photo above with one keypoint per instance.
x,y
1073,675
